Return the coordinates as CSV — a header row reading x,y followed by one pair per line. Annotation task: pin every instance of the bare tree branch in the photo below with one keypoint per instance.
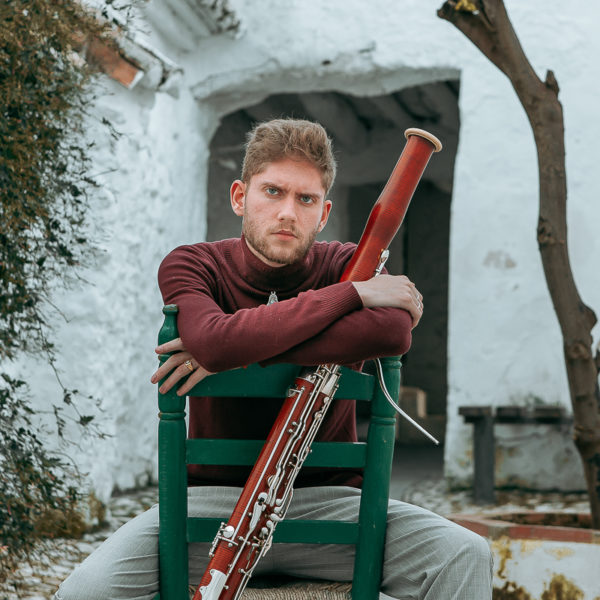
x,y
487,25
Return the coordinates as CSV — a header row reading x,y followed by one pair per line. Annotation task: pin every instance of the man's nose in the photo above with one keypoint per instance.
x,y
287,209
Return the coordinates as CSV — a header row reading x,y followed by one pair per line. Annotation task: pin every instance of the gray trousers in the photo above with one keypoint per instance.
x,y
426,556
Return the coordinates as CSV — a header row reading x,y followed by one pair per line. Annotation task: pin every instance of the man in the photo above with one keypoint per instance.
x,y
273,295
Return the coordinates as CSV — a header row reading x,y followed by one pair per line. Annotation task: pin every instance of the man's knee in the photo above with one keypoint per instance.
x,y
86,582
471,548
470,565
481,551
125,565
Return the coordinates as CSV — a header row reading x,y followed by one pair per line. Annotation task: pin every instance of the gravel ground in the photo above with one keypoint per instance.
x,y
39,580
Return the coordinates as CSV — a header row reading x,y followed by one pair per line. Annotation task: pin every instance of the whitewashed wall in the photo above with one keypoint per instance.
x,y
149,201
504,341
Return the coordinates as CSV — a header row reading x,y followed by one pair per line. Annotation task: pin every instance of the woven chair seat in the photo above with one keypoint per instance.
x,y
296,590
301,590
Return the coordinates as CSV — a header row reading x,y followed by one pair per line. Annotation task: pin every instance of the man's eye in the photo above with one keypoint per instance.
x,y
307,199
272,191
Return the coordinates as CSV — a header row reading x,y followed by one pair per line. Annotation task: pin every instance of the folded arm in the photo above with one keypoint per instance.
x,y
361,335
342,323
219,340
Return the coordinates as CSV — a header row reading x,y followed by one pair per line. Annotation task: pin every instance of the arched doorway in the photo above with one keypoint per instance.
x,y
368,135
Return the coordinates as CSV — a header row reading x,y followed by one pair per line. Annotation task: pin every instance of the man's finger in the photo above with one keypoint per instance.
x,y
171,363
171,346
179,373
416,312
196,377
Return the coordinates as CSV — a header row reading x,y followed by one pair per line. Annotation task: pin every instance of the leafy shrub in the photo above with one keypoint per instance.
x,y
44,95
32,481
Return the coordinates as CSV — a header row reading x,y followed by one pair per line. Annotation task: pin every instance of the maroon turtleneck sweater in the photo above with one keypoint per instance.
x,y
222,289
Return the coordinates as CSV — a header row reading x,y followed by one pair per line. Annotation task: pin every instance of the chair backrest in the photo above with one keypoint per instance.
x,y
176,452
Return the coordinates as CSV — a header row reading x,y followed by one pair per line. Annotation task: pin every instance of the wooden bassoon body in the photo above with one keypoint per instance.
x,y
247,536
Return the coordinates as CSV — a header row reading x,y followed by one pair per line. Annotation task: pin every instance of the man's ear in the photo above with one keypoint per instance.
x,y
237,195
325,215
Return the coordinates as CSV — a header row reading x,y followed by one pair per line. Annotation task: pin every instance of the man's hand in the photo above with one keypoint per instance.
x,y
181,364
391,290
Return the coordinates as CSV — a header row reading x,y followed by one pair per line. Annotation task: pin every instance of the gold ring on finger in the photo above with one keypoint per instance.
x,y
188,364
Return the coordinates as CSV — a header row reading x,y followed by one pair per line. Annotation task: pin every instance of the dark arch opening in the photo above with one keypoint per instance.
x,y
368,136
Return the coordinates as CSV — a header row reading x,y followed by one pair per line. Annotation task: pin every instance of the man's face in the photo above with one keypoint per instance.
x,y
283,209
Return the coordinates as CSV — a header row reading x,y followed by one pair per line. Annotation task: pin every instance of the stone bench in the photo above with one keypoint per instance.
x,y
483,419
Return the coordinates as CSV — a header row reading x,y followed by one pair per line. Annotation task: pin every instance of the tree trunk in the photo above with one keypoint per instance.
x,y
486,24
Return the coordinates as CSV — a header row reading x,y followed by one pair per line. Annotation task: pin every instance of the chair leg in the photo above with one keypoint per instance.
x,y
374,499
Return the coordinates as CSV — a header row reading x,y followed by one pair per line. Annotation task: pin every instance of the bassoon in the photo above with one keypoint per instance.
x,y
247,536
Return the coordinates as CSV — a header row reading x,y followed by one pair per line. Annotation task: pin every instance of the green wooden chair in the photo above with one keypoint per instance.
x,y
375,456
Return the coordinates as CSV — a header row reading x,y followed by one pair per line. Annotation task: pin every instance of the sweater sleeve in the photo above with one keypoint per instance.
x,y
358,336
221,341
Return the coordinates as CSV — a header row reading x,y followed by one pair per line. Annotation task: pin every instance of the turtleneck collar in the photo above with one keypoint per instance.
x,y
263,276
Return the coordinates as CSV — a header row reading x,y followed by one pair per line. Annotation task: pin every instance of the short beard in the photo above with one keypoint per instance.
x,y
280,257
